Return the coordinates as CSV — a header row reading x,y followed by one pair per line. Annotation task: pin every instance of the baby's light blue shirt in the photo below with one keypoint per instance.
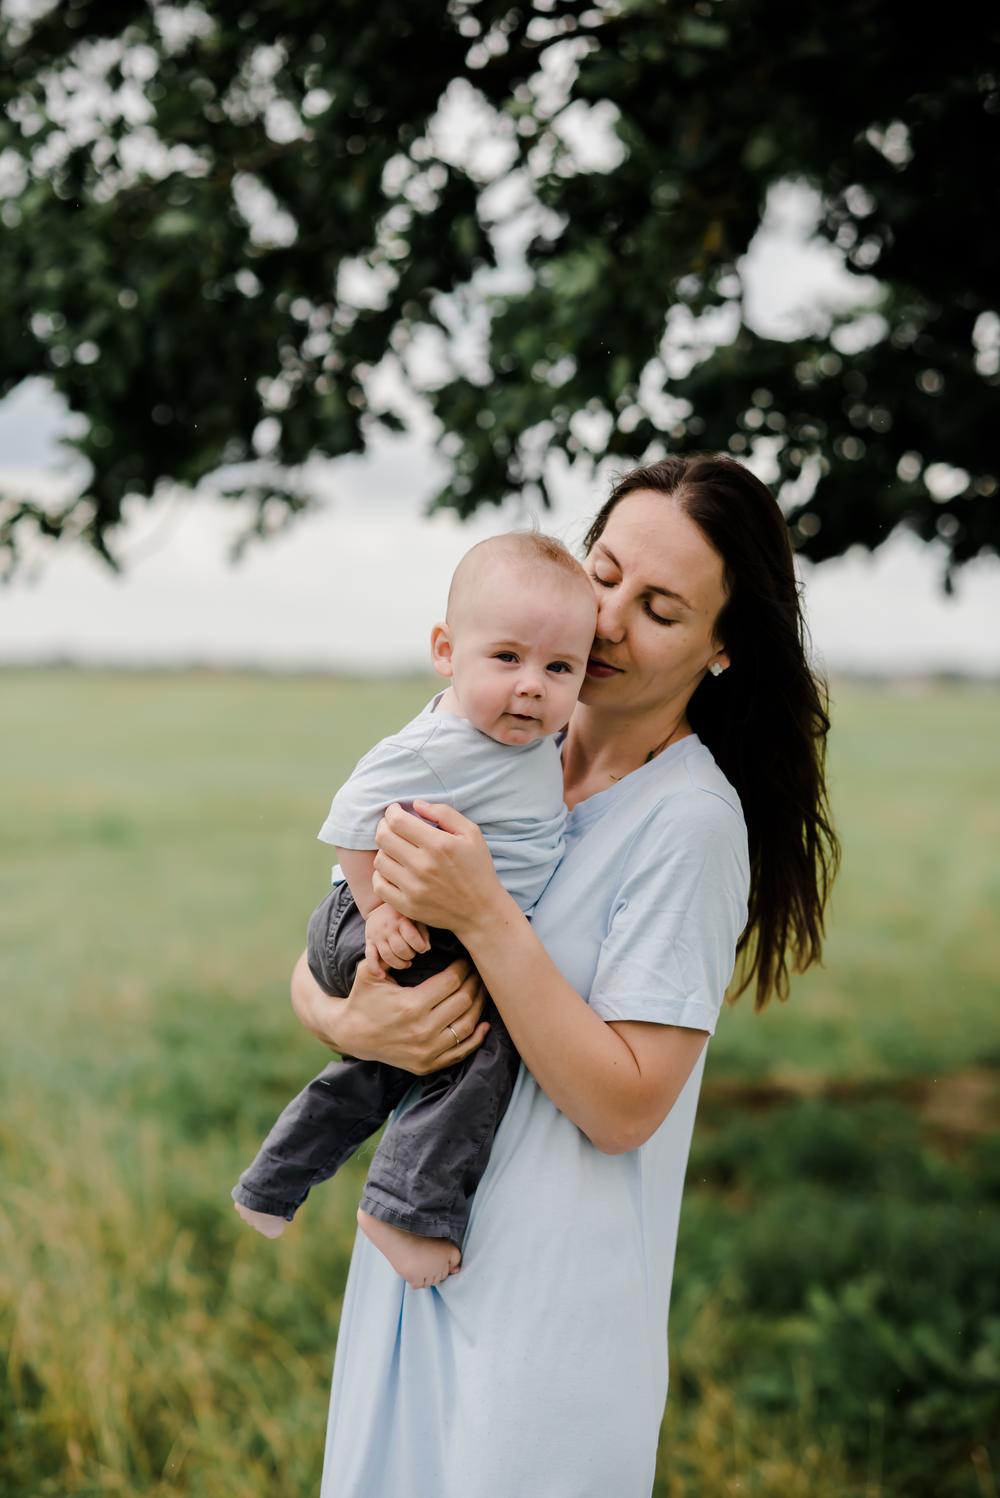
x,y
514,792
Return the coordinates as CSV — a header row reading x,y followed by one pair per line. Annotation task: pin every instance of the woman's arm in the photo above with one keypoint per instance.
x,y
616,1081
405,1027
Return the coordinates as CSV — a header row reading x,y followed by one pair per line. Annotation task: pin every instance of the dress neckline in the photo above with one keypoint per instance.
x,y
597,804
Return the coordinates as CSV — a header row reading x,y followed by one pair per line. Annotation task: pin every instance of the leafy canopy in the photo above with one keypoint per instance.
x,y
221,226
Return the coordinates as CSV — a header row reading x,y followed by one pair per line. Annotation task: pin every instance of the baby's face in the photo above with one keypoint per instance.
x,y
519,654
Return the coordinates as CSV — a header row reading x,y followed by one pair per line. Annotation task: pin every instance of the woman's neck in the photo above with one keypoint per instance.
x,y
602,747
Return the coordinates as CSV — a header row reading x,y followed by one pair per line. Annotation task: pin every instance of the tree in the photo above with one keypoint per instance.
x,y
219,223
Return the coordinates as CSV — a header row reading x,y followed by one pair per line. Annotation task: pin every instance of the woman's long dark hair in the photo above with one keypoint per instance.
x,y
766,718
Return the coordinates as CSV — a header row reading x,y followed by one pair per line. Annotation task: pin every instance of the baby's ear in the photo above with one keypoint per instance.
x,y
441,650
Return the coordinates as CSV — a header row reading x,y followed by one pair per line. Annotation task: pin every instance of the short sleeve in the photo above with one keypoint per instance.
x,y
388,772
670,948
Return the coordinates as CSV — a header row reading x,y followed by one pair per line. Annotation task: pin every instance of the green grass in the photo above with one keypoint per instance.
x,y
911,964
833,1330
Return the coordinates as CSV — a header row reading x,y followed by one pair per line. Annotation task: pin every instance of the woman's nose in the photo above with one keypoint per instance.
x,y
610,618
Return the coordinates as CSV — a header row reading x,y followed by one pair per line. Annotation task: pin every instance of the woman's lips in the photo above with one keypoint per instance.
x,y
597,667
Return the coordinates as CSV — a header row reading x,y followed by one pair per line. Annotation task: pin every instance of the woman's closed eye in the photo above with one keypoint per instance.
x,y
610,582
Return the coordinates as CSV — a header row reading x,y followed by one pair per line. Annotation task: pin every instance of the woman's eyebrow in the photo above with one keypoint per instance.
x,y
650,587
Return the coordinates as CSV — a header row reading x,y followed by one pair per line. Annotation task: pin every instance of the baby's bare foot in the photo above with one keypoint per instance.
x,y
271,1227
421,1261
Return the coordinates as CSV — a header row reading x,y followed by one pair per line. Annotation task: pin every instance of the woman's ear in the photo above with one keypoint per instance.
x,y
441,649
721,659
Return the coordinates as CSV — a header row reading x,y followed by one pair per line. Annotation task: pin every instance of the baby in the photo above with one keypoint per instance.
x,y
517,634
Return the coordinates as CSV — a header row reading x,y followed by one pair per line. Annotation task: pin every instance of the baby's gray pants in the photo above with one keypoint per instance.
x,y
431,1159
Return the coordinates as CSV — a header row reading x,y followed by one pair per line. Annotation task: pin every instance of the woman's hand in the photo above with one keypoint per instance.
x,y
406,1027
442,874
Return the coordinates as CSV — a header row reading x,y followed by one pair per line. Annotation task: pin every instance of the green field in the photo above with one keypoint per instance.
x,y
835,1328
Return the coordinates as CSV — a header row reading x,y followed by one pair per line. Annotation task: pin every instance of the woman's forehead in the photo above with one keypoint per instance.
x,y
652,534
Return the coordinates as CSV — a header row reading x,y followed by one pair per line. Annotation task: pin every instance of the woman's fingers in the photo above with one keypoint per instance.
x,y
463,1009
389,843
389,867
459,1052
446,817
399,879
412,829
395,831
407,1027
385,890
442,985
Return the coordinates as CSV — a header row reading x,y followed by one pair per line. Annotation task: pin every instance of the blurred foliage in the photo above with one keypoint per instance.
x,y
219,221
846,1246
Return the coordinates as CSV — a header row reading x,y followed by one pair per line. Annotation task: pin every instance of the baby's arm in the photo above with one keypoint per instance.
x,y
391,940
358,865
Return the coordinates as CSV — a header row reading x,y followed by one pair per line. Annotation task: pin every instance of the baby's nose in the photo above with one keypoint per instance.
x,y
531,684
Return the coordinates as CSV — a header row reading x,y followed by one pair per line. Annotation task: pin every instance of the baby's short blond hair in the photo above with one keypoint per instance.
x,y
522,550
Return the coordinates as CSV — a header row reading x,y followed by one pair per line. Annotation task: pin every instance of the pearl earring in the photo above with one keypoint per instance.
x,y
716,669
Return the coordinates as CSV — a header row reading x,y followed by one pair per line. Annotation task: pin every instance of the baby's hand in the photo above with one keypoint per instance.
x,y
392,940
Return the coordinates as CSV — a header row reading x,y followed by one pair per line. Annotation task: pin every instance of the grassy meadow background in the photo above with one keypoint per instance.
x,y
835,1327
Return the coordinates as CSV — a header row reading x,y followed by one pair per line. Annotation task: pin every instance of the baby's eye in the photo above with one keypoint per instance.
x,y
559,666
505,655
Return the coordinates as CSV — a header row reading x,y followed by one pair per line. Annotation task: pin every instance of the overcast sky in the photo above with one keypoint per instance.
x,y
357,585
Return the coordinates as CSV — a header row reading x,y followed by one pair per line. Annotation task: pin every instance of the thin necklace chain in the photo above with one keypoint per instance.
x,y
653,752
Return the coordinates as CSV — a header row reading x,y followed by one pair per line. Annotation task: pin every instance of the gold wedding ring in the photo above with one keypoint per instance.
x,y
452,1029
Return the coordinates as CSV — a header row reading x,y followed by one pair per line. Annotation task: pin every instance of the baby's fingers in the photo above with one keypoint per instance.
x,y
373,961
414,932
393,952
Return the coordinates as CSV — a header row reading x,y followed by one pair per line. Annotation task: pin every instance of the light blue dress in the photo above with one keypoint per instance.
x,y
540,1369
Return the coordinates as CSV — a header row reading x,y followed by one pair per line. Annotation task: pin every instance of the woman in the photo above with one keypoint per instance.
x,y
697,835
